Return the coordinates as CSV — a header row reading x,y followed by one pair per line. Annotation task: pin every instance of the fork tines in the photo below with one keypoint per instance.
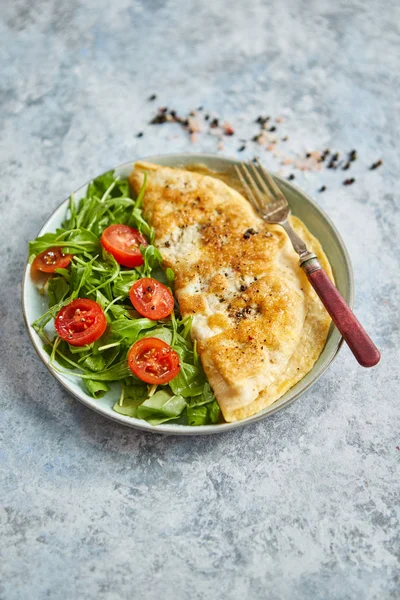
x,y
260,187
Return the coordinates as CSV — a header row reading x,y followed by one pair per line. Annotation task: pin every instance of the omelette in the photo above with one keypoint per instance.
x,y
258,323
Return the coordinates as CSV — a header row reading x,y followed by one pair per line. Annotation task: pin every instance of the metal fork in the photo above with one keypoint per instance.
x,y
270,203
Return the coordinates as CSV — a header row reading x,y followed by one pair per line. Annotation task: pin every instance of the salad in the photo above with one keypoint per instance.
x,y
112,319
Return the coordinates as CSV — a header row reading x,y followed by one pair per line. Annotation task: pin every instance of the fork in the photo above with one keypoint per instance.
x,y
272,206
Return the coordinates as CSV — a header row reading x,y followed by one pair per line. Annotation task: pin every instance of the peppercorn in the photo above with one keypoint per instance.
x,y
322,188
349,181
353,155
376,164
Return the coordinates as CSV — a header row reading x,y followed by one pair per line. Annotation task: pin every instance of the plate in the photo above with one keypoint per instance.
x,y
302,206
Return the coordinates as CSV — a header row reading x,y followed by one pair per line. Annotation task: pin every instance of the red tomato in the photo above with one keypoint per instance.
x,y
153,361
81,322
151,298
124,243
51,259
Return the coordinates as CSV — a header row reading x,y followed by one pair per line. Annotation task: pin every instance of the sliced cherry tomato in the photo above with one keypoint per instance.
x,y
153,361
81,322
151,298
124,243
51,259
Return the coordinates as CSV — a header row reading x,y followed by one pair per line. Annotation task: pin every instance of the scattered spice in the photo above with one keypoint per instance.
x,y
159,119
194,123
323,156
333,162
352,155
228,129
375,165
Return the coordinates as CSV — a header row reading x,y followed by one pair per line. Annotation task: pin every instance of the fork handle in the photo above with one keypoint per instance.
x,y
351,329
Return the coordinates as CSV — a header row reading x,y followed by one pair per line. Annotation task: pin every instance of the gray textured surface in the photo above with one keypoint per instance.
x,y
303,505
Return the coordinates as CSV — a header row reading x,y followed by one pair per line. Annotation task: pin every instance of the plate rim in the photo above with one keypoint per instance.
x,y
174,429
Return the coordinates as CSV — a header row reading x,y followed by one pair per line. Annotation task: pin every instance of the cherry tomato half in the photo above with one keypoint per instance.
x,y
151,298
153,361
81,322
51,259
124,243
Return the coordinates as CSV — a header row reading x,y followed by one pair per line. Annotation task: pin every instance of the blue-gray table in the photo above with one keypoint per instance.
x,y
302,505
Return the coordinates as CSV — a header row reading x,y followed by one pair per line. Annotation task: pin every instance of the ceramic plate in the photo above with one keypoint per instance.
x,y
302,206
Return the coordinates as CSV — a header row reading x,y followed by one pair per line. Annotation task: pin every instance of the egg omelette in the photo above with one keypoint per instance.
x,y
258,323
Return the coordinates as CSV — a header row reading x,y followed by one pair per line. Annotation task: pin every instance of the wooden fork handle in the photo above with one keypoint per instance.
x,y
351,329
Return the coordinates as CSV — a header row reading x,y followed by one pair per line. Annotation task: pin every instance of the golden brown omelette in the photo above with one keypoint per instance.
x,y
259,325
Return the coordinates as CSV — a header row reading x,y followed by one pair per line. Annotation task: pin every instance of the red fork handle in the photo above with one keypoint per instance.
x,y
351,329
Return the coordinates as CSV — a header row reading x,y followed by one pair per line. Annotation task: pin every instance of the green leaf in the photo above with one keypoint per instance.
x,y
170,275
197,415
205,397
129,407
129,329
97,389
94,363
161,404
57,290
188,382
152,259
162,333
123,283
136,391
214,411
115,373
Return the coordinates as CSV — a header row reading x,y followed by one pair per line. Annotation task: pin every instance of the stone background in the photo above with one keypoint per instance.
x,y
302,505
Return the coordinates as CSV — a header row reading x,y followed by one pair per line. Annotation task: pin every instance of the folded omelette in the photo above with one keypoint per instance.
x,y
258,323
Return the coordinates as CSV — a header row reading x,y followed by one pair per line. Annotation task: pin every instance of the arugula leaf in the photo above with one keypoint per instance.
x,y
197,415
188,382
57,290
152,259
161,404
129,329
214,411
128,408
97,389
95,363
